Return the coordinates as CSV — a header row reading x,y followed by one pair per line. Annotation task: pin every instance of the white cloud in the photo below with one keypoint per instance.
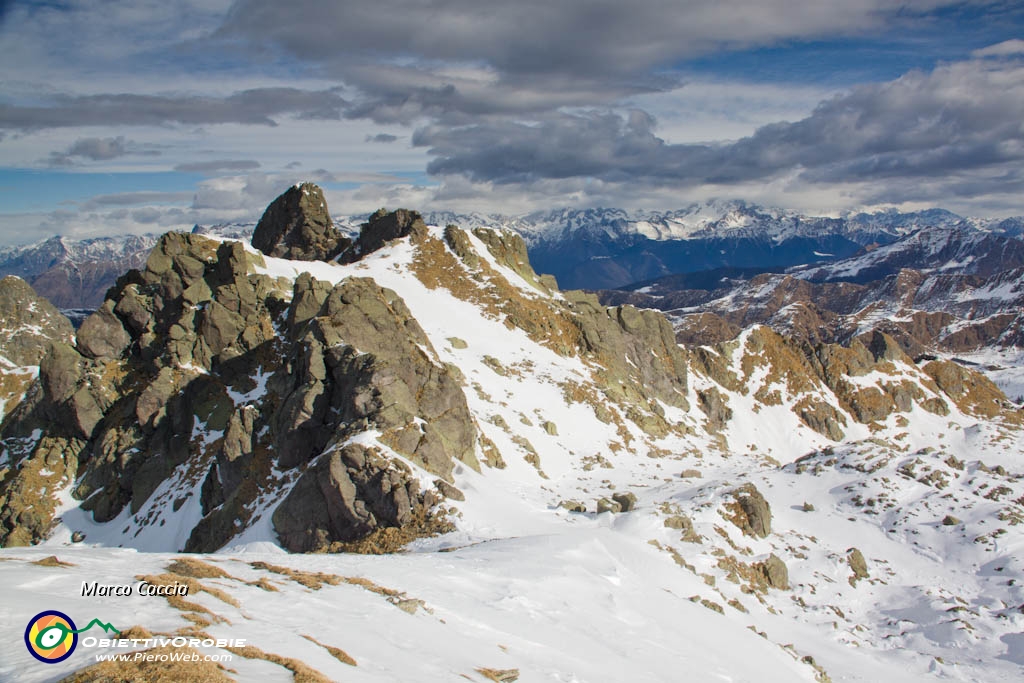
x,y
1007,48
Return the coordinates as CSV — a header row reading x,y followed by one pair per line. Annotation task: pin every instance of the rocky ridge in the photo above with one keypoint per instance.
x,y
153,393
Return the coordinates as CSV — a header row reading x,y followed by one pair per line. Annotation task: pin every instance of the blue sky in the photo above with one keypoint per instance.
x,y
145,116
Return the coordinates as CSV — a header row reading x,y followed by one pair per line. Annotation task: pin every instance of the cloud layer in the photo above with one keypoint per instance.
x,y
510,106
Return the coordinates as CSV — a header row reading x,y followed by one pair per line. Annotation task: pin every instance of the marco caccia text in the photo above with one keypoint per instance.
x,y
95,589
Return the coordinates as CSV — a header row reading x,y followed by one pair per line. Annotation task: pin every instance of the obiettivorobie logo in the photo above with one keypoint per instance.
x,y
51,636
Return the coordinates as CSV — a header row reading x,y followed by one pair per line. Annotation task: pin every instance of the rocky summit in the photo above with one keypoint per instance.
x,y
421,387
297,225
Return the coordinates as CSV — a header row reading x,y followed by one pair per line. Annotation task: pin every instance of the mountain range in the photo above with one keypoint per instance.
x,y
502,479
583,248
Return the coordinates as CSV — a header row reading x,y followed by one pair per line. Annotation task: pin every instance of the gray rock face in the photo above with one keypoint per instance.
x,y
28,323
344,496
297,225
713,403
639,351
361,362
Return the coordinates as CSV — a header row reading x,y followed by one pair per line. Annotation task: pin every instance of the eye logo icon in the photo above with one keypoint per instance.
x,y
51,636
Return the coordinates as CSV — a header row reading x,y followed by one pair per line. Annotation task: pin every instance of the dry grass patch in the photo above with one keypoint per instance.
x,y
499,675
197,569
52,561
182,605
312,580
335,652
154,671
301,672
194,587
316,581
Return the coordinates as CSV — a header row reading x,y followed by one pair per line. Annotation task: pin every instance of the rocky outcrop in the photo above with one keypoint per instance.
x,y
751,512
381,228
637,350
637,361
205,382
347,494
28,323
922,310
297,226
363,361
972,392
858,565
774,572
830,387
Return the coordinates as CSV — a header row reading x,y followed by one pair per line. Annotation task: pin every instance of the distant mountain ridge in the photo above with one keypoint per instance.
x,y
610,248
597,248
953,290
74,273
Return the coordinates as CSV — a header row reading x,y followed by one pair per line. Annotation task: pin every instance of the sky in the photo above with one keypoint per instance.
x,y
131,116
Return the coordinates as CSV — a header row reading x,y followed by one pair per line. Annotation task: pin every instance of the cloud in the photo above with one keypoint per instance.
x,y
218,165
382,138
960,118
255,106
530,37
456,61
99,149
1006,48
134,199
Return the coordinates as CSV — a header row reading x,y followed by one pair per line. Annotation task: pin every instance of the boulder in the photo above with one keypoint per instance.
x,y
345,495
608,505
684,524
102,335
626,500
774,572
751,512
855,558
449,491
